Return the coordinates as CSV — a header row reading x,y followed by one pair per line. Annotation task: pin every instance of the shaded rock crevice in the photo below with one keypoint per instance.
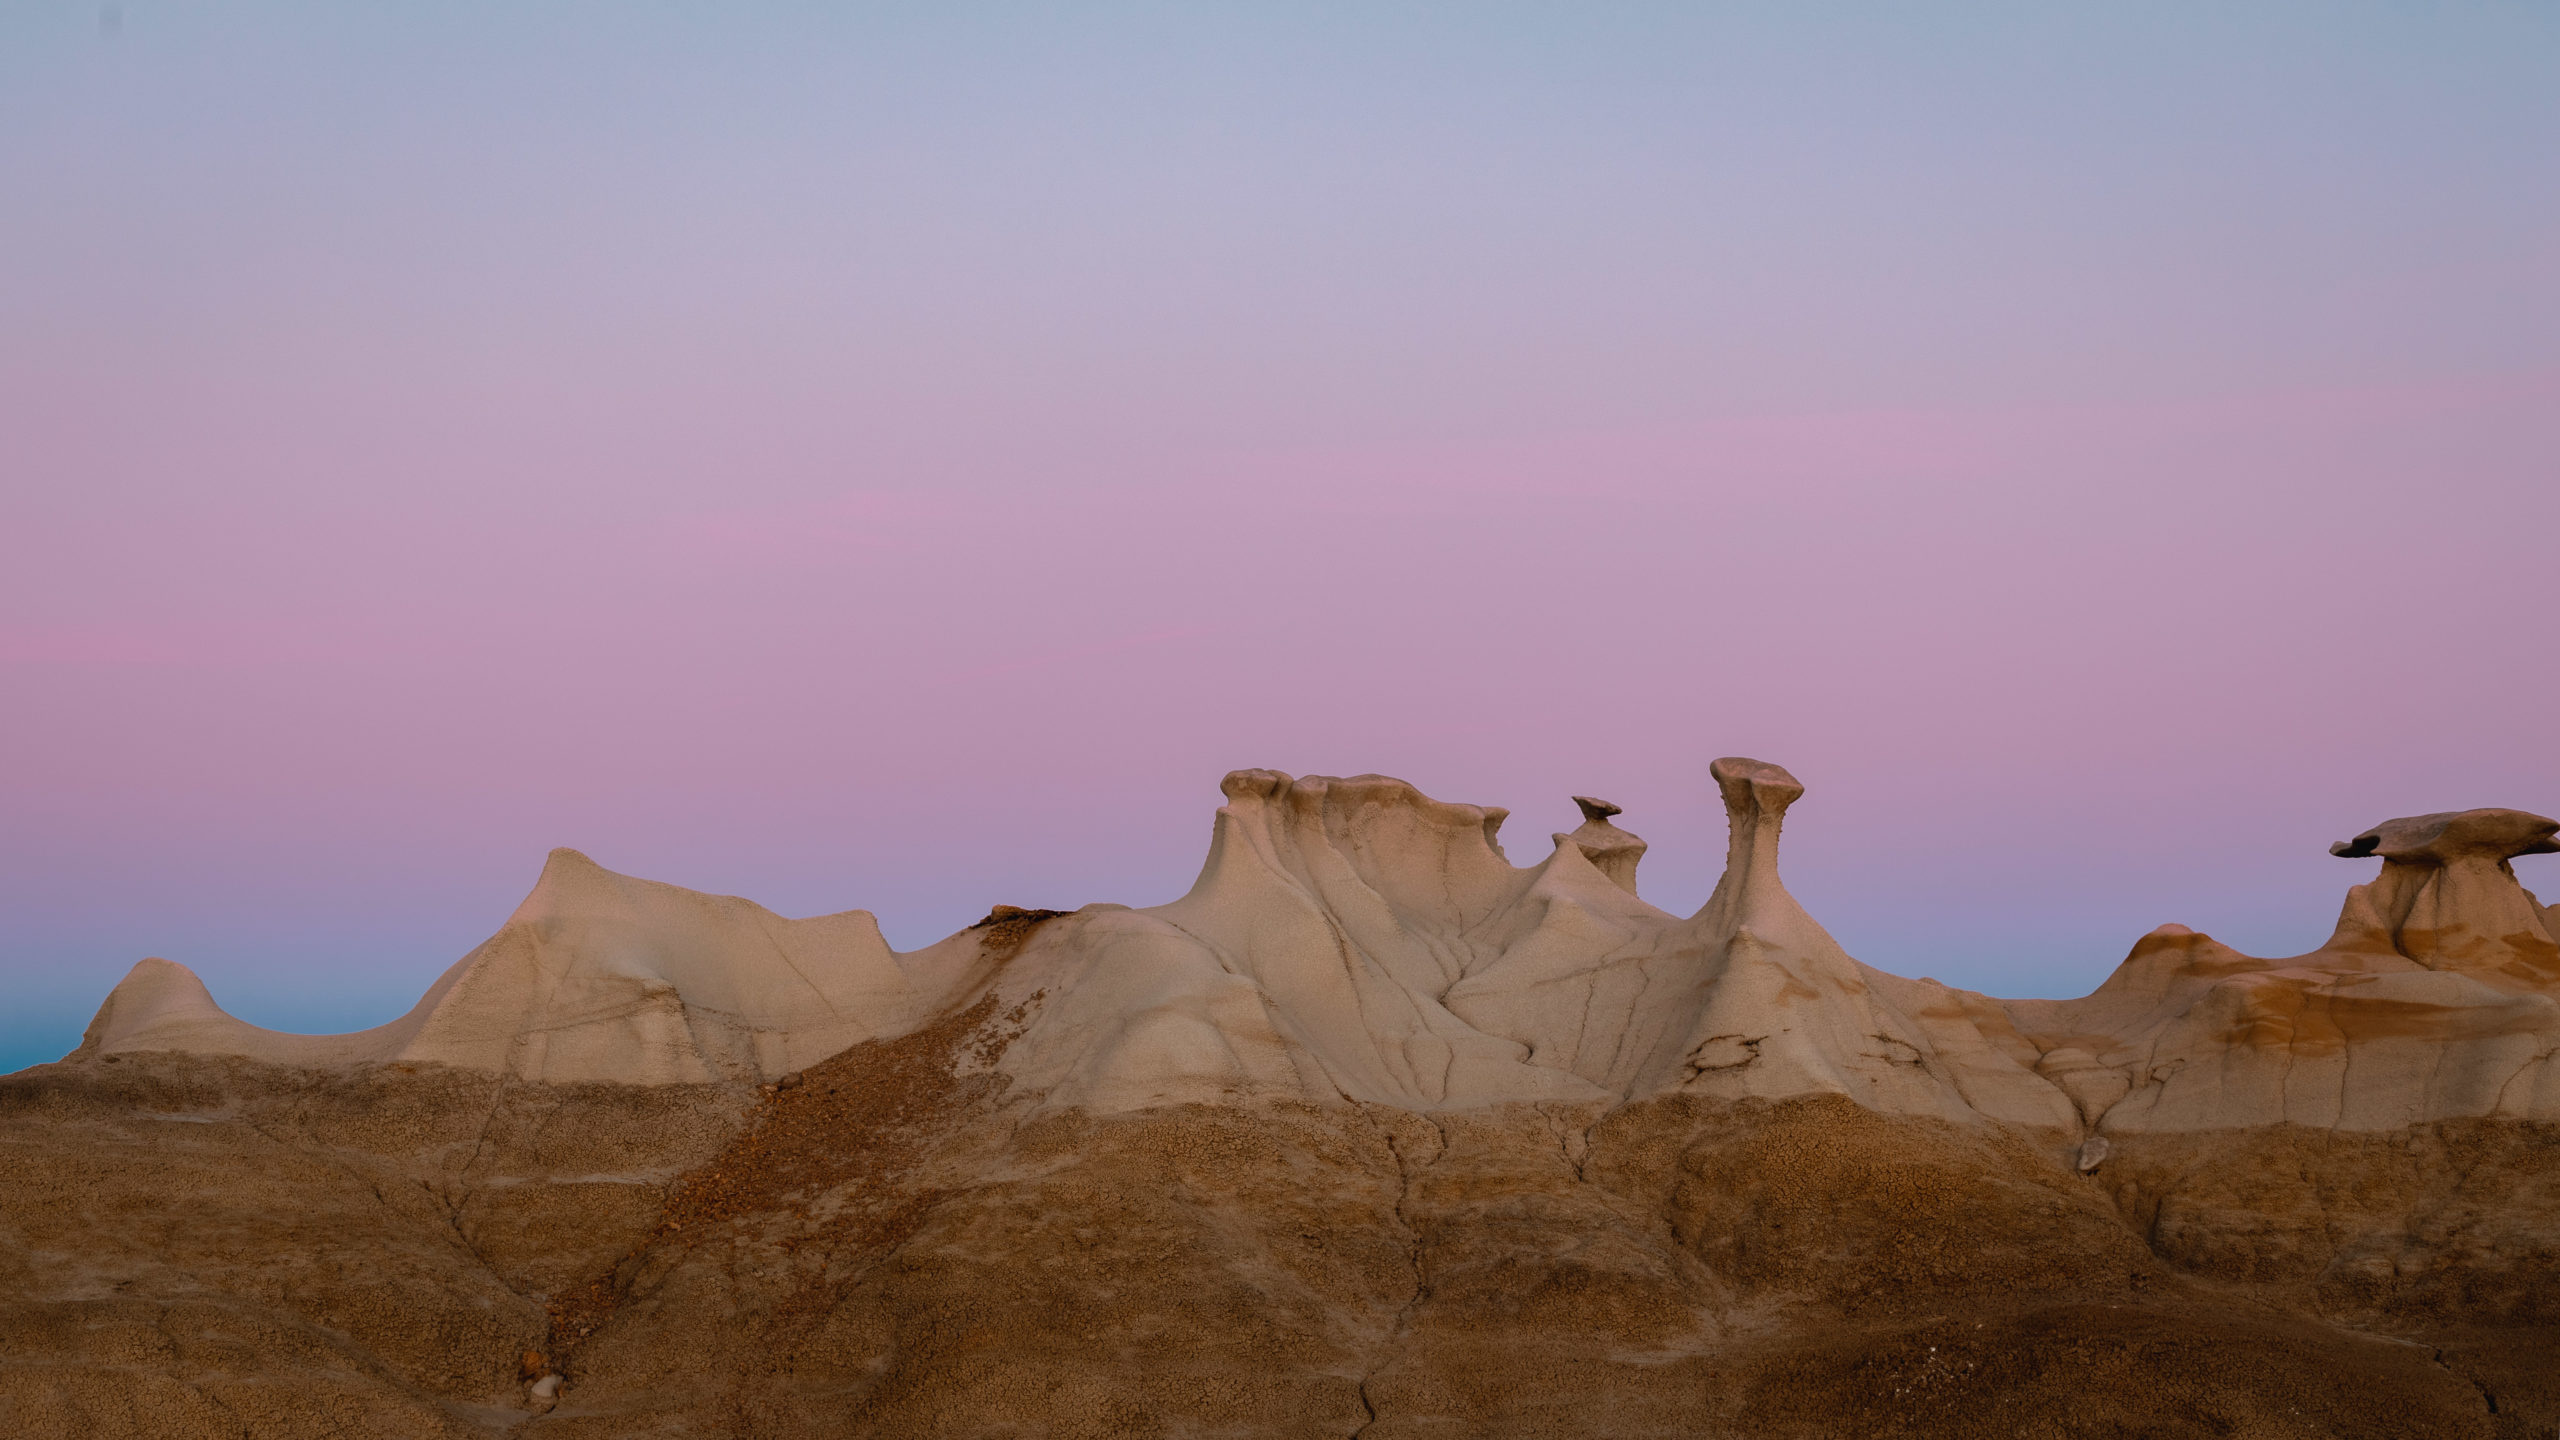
x,y
1415,1143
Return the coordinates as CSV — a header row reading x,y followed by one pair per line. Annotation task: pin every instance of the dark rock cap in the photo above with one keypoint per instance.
x,y
2454,834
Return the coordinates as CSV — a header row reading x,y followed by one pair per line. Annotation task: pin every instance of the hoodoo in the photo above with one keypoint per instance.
x,y
2438,997
1356,940
2448,899
1371,1132
1612,851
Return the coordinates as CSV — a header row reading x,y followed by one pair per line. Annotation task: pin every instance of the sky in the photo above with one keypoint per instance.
x,y
901,456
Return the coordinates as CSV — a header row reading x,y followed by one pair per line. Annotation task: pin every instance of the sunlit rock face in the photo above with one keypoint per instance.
x,y
2438,997
1371,1132
2448,899
1347,940
1612,851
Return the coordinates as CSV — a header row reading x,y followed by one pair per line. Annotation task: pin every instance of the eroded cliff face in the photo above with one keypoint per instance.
x,y
216,1247
1372,1133
2437,998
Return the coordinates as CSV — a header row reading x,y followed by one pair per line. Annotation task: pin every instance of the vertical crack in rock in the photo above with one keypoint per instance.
x,y
453,1206
2487,1397
1407,1167
1572,1142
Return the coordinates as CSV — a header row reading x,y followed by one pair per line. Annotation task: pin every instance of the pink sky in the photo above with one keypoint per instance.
x,y
904,463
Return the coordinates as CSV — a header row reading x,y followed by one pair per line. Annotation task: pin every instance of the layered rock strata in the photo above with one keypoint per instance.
x,y
1371,1132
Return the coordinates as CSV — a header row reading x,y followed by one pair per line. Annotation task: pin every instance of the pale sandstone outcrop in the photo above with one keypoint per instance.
x,y
1370,1134
2438,997
1356,940
1611,851
1346,940
596,977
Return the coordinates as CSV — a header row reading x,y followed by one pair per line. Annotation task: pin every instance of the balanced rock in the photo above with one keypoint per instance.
x,y
2448,899
2437,997
1372,1132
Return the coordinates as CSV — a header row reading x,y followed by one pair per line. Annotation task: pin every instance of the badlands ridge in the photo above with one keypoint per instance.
x,y
1357,940
1371,1133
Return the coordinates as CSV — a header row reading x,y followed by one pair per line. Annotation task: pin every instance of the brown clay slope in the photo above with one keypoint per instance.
x,y
198,1247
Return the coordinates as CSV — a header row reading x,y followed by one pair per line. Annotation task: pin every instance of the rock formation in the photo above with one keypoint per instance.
x,y
1370,1132
1612,851
2437,997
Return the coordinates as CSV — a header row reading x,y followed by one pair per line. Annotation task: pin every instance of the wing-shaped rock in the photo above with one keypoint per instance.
x,y
2437,997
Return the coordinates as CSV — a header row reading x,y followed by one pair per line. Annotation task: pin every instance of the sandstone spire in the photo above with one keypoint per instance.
x,y
1612,851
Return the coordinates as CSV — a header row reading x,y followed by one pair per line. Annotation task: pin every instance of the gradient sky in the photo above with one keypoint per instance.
x,y
900,456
